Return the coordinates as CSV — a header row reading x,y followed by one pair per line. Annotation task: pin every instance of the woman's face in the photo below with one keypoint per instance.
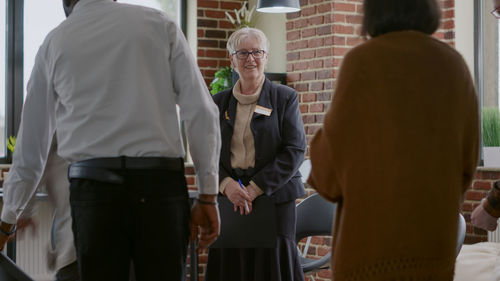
x,y
249,68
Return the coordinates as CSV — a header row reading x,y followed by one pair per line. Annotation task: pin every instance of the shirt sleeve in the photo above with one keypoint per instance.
x,y
197,110
33,143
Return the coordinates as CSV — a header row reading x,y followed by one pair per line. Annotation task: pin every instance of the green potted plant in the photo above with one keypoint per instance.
x,y
223,80
491,136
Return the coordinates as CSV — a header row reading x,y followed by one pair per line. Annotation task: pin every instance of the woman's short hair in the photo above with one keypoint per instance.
x,y
383,16
235,38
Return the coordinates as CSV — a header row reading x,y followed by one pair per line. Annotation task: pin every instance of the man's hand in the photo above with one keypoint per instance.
x,y
205,221
480,218
6,228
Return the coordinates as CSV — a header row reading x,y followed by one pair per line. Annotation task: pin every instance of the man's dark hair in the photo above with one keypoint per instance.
x,y
383,16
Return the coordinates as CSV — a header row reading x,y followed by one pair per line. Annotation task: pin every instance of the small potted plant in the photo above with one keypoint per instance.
x,y
491,136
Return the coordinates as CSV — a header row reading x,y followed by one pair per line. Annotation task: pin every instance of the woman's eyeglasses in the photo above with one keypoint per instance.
x,y
243,54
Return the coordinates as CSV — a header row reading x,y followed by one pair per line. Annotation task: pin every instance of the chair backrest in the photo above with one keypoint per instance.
x,y
461,232
10,272
314,217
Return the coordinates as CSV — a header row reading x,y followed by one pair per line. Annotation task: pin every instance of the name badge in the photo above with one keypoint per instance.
x,y
262,110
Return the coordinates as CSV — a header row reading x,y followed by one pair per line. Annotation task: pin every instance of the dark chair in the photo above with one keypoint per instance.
x,y
10,272
314,218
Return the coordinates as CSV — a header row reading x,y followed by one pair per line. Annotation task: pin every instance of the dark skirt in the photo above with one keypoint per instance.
x,y
279,264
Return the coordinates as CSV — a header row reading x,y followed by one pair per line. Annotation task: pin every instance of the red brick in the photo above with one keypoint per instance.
x,y
324,8
216,53
190,180
344,7
300,23
223,63
189,171
308,32
339,51
215,34
308,119
322,251
316,42
302,44
293,56
467,207
289,25
215,14
339,18
308,11
485,185
315,1
311,129
324,96
299,66
208,4
448,4
317,86
230,5
309,54
201,53
207,63
354,19
324,30
315,20
309,98
353,41
449,24
226,24
292,35
343,29
324,52
449,14
492,175
304,108
208,43
324,74
319,118
302,87
475,195
207,23
315,64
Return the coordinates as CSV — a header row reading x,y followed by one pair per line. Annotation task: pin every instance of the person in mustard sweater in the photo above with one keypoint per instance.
x,y
398,148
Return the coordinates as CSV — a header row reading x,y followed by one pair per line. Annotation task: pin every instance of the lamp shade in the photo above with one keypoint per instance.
x,y
278,6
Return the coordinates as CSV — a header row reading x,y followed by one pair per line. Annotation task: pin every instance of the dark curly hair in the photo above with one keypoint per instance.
x,y
383,16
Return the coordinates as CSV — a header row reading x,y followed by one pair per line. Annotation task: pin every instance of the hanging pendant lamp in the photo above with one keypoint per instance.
x,y
278,6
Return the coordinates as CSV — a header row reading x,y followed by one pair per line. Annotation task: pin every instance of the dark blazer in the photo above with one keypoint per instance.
x,y
280,141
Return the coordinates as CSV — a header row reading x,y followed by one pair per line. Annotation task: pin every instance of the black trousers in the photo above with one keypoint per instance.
x,y
144,220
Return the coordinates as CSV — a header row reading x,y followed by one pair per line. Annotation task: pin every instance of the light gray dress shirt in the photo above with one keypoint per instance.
x,y
108,80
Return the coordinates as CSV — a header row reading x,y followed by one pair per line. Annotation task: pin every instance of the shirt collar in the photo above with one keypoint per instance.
x,y
83,3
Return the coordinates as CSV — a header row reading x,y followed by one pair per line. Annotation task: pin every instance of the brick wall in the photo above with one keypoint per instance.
x,y
213,31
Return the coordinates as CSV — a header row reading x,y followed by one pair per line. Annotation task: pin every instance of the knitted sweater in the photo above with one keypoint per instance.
x,y
397,151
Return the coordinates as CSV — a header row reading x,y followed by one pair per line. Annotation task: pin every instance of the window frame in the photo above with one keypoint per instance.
x,y
14,68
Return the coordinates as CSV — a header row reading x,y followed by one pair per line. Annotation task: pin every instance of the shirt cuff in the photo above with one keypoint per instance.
x,y
8,216
223,184
208,184
257,188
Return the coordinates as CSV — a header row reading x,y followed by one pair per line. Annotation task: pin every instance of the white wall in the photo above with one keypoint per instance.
x,y
191,22
274,26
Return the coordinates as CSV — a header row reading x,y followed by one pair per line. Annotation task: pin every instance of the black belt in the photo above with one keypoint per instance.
x,y
100,169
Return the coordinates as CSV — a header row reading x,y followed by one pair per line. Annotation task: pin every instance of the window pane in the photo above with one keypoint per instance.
x,y
489,81
40,17
2,77
171,7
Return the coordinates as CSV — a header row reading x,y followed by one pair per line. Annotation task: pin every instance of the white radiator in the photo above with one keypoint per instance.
x,y
31,250
495,235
